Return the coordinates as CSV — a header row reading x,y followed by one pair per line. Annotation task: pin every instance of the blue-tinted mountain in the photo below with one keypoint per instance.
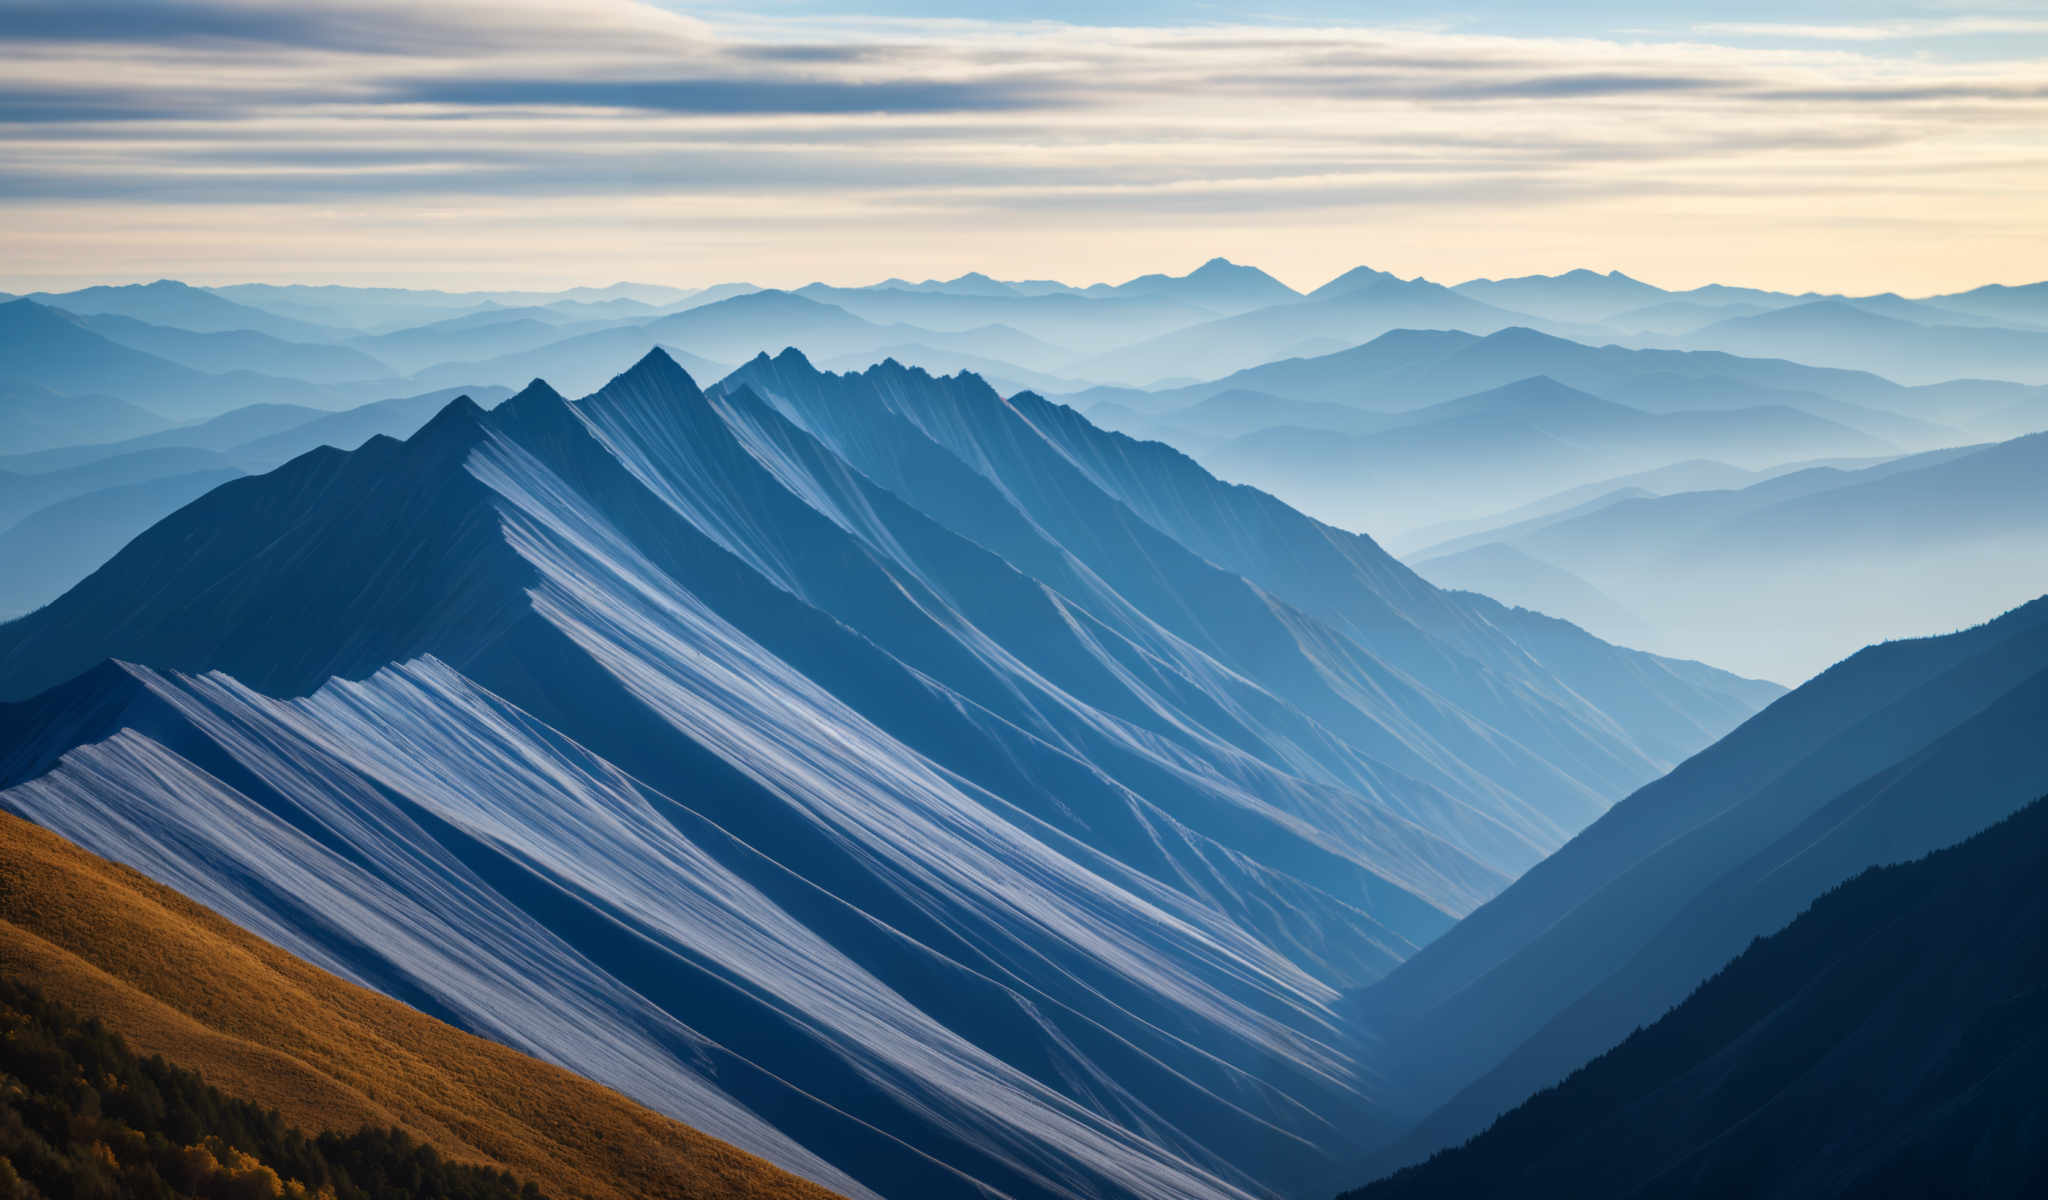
x,y
1889,1042
1836,333
1233,414
397,417
863,769
1782,575
2024,305
1678,316
1079,323
22,493
181,306
467,338
1508,446
1411,368
1219,285
241,350
53,350
260,436
1355,279
1004,377
37,418
383,309
582,361
1901,749
1315,325
973,283
1513,577
51,548
1581,296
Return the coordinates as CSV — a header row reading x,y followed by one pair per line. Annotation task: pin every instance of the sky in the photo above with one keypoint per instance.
x,y
1824,145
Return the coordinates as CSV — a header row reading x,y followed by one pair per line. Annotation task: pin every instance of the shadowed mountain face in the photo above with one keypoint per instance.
x,y
907,785
1899,750
1891,1041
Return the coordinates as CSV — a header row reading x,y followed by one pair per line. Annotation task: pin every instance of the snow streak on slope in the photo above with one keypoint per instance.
x,y
914,815
332,862
335,831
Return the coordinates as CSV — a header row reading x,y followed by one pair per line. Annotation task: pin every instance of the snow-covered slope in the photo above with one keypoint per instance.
x,y
860,768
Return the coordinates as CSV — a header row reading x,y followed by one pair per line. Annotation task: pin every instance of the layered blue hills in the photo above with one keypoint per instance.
x,y
930,792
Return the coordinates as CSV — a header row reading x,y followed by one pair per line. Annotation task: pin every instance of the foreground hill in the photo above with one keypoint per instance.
x,y
1898,750
1889,1042
905,784
171,978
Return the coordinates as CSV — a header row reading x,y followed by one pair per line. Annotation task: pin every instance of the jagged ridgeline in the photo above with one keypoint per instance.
x,y
927,791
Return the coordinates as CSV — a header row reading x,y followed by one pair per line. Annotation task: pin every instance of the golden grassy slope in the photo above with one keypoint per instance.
x,y
176,979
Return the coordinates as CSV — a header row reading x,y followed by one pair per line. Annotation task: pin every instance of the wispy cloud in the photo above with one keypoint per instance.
x,y
775,149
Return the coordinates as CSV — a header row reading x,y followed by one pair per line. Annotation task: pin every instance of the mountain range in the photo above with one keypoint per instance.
x,y
1047,866
1803,567
970,738
1507,446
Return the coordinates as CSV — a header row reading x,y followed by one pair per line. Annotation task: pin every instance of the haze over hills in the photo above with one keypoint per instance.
x,y
1805,565
940,789
1076,857
1511,445
66,510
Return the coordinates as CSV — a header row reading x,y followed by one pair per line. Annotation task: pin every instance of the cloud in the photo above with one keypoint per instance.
x,y
340,114
731,95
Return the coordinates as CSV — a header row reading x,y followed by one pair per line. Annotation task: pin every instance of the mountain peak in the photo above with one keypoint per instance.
x,y
1353,280
458,418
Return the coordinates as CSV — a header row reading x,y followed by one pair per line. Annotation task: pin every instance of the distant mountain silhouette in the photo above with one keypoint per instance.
x,y
1410,368
1900,749
1804,566
241,350
53,350
470,337
1078,323
1513,577
181,306
1351,315
1888,1042
1467,457
1233,414
40,419
53,547
1837,333
1219,285
1581,296
2026,305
